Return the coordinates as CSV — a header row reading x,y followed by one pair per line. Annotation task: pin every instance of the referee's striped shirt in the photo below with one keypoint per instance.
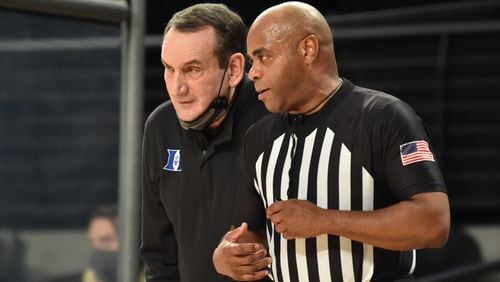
x,y
346,157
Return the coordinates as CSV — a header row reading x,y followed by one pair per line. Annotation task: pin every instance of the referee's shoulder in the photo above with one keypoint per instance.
x,y
372,100
267,122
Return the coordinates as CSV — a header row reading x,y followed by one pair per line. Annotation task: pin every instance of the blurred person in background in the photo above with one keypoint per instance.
x,y
342,179
191,142
103,237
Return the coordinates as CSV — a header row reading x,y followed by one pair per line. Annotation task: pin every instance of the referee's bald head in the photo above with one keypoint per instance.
x,y
291,22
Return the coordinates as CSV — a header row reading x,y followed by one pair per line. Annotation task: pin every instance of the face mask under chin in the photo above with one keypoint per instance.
x,y
214,111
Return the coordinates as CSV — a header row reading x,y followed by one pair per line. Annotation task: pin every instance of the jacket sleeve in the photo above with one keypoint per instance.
x,y
250,204
158,242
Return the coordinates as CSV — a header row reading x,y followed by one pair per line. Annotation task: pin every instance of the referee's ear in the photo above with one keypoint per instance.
x,y
236,69
309,47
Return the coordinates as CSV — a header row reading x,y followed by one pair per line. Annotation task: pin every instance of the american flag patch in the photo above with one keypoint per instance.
x,y
415,151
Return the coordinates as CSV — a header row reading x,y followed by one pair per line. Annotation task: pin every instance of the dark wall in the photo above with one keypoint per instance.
x,y
443,60
59,114
59,107
159,12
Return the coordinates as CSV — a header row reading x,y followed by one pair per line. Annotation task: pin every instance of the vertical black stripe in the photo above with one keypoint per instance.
x,y
277,250
405,262
280,163
292,261
295,169
312,259
292,194
278,172
263,175
311,247
357,205
312,182
333,203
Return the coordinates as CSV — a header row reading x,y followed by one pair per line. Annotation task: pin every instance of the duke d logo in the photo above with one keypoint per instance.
x,y
174,160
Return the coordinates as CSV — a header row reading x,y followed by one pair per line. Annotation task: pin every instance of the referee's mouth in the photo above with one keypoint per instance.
x,y
262,93
261,90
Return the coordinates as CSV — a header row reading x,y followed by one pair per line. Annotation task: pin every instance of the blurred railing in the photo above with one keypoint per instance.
x,y
131,16
113,11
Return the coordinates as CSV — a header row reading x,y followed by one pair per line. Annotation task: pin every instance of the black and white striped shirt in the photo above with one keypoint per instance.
x,y
348,156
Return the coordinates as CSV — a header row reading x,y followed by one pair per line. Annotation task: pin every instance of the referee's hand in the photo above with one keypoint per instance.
x,y
295,218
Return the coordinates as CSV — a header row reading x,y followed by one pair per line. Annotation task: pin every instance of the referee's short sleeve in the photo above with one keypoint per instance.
x,y
399,125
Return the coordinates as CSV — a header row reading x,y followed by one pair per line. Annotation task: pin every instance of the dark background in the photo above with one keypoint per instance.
x,y
159,12
59,109
439,56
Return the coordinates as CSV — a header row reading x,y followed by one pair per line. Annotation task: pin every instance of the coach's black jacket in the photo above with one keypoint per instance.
x,y
189,189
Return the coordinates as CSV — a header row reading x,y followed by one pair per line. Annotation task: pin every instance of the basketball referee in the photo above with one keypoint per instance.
x,y
342,179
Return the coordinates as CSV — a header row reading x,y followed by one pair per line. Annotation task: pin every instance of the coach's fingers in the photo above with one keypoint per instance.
x,y
252,276
236,233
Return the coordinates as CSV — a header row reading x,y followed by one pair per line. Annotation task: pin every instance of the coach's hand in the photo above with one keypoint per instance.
x,y
240,259
296,218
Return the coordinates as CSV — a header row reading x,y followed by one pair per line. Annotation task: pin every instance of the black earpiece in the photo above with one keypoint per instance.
x,y
221,102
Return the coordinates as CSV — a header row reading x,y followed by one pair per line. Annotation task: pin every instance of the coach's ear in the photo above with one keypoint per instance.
x,y
236,69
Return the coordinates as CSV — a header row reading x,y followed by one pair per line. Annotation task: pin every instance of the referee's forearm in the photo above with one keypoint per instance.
x,y
422,222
